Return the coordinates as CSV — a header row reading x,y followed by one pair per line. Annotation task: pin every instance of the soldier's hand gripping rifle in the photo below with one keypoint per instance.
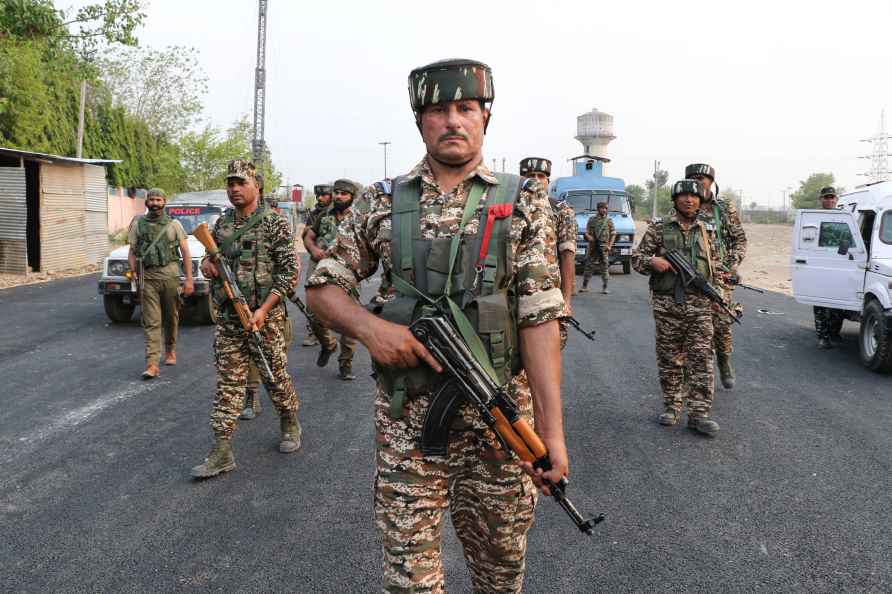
x,y
468,381
235,295
575,323
688,276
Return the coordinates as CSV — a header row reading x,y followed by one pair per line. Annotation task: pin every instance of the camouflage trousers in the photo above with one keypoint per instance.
x,y
828,321
489,498
597,257
233,350
723,340
685,352
160,309
254,373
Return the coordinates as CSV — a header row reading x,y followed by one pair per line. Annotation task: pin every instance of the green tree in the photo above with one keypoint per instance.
x,y
807,194
733,196
163,88
206,153
637,195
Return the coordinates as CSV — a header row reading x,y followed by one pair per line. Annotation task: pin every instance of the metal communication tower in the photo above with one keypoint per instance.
x,y
258,146
879,157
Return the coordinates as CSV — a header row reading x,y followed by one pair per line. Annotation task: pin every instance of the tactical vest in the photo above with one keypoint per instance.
x,y
328,230
673,239
153,244
481,281
599,229
247,253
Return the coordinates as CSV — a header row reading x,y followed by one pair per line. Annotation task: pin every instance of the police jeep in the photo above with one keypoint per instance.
x,y
583,191
118,287
842,258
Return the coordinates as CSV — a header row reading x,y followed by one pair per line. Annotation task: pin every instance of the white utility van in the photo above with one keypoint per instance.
x,y
843,259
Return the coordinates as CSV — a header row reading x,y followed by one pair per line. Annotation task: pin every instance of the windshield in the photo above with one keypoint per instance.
x,y
190,217
886,228
588,200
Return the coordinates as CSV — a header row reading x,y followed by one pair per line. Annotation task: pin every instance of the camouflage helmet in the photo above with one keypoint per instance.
x,y
345,185
699,169
241,169
535,165
828,191
450,80
687,186
321,189
156,192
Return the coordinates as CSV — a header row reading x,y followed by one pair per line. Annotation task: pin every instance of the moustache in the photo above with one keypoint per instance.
x,y
449,135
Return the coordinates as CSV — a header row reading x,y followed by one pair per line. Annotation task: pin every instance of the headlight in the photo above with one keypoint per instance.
x,y
626,238
118,267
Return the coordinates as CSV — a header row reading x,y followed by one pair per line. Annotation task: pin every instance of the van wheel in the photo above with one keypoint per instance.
x,y
116,310
627,266
876,338
202,310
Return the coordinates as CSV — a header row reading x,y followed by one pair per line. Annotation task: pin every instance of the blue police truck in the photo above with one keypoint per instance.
x,y
583,191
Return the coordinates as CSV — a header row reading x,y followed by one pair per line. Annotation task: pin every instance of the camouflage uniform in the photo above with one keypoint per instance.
x,y
566,231
311,223
326,229
602,229
684,331
731,244
233,348
490,499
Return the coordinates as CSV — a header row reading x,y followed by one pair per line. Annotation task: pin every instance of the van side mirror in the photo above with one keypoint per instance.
x,y
844,245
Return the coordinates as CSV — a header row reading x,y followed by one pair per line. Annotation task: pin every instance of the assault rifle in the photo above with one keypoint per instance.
x,y
575,323
235,295
296,300
469,381
735,280
686,275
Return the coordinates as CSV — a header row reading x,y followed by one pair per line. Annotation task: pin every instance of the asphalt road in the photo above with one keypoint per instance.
x,y
792,496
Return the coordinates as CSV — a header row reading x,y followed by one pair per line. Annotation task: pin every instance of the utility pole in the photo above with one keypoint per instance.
x,y
503,164
80,121
384,143
656,168
258,146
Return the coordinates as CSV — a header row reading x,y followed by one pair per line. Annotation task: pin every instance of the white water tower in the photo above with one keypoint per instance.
x,y
595,131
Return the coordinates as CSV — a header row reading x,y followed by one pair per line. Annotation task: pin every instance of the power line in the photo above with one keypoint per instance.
x,y
879,157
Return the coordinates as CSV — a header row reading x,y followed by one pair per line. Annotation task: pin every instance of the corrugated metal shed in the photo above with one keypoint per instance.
x,y
63,224
96,207
13,217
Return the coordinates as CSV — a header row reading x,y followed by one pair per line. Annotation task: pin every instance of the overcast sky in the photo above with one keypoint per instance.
x,y
767,92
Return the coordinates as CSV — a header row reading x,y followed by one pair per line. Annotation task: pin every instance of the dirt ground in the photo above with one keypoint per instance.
x,y
767,262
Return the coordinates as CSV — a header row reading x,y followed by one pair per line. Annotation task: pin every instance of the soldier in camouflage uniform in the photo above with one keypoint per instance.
x,y
322,239
731,244
683,319
323,203
160,242
451,192
600,234
828,321
257,244
253,406
565,229
386,292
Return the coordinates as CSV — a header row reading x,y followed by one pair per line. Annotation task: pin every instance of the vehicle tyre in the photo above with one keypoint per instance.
x,y
627,266
201,310
875,338
116,310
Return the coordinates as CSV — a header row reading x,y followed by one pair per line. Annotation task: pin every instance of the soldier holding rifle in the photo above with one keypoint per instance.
x,y
256,244
457,236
